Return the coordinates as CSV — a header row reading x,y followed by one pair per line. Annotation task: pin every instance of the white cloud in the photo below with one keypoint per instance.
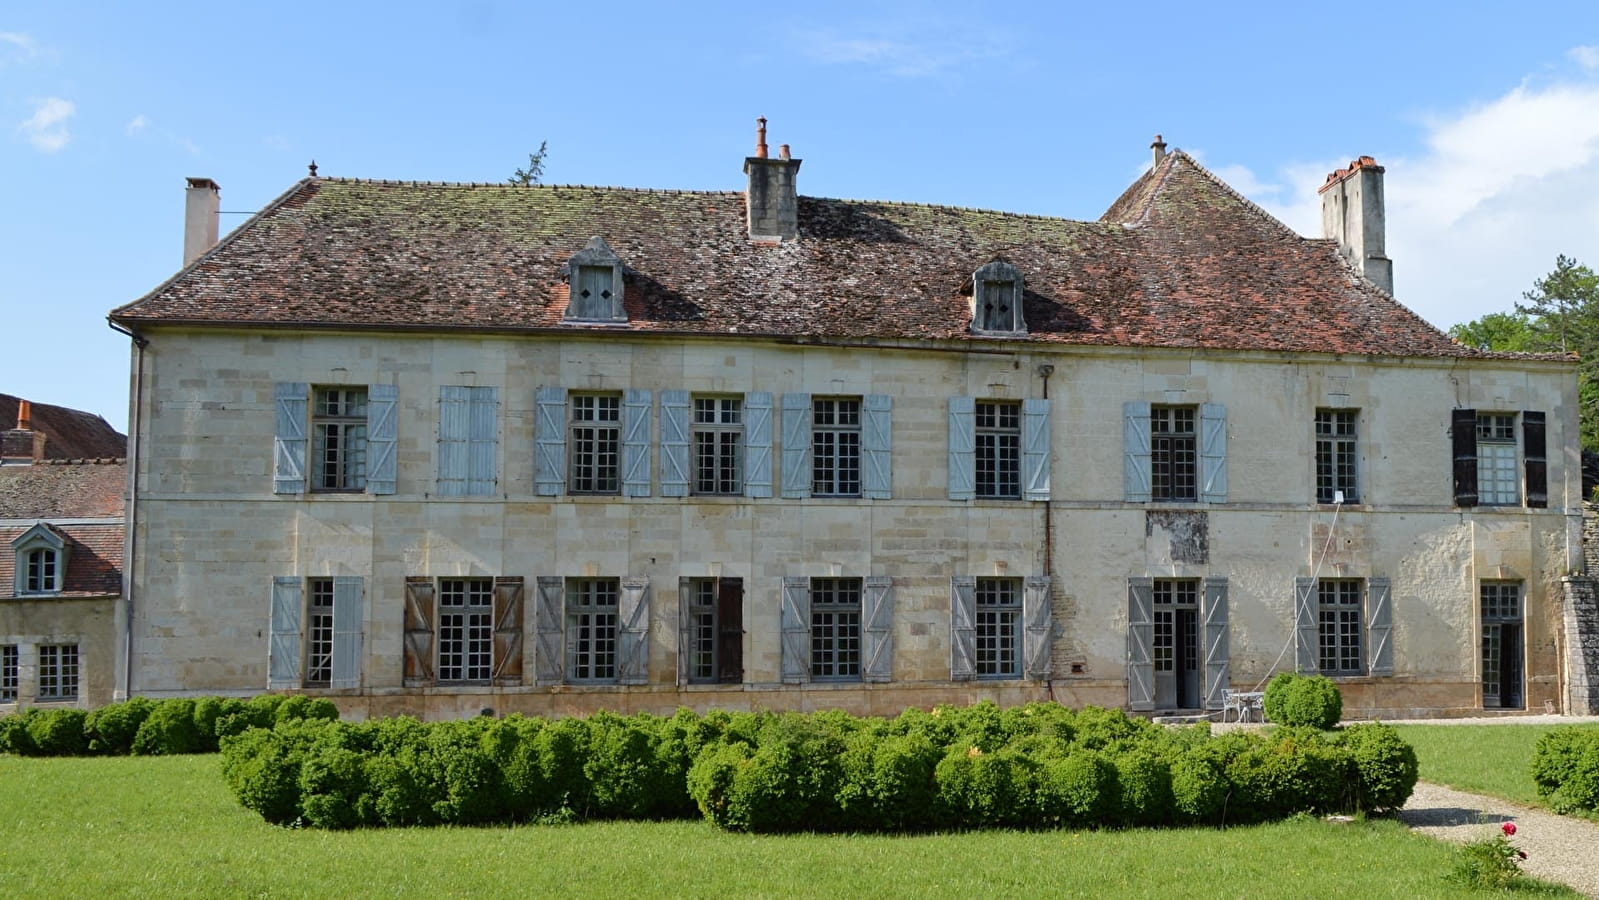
x,y
1587,57
931,49
46,129
137,124
17,47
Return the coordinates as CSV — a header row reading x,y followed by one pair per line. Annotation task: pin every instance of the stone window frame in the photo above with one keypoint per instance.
x,y
1337,437
837,427
593,613
986,284
1167,447
1498,460
49,547
717,435
1341,626
998,449
339,435
599,260
836,628
10,672
471,598
591,439
319,603
59,673
998,628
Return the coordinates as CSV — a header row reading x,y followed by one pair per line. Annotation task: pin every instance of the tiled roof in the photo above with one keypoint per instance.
x,y
94,559
69,433
1181,260
86,489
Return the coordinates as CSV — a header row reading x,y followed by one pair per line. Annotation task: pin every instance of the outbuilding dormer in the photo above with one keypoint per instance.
x,y
594,277
997,299
41,560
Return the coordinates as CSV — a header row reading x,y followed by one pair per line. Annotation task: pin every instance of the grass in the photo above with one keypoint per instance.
x,y
167,827
1483,759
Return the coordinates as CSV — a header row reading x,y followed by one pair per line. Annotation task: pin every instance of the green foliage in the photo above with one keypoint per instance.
x,y
1565,768
170,729
534,170
111,728
14,736
1310,701
1143,788
1500,332
1077,790
1385,767
59,732
1487,864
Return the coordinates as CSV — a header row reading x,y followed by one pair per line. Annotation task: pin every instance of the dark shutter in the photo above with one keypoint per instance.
x,y
730,630
1535,455
1463,426
508,630
418,630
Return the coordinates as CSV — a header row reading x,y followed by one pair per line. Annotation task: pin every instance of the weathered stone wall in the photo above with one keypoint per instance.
x,y
86,622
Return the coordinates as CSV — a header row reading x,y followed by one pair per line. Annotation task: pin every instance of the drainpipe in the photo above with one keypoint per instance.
x,y
130,509
1044,371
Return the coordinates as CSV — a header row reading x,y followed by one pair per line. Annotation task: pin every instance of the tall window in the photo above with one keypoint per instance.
x,y
466,629
836,447
8,673
596,443
836,629
338,439
1339,625
58,672
319,633
41,571
1176,639
1335,456
1502,642
591,625
718,439
702,630
999,627
1173,453
999,449
1498,482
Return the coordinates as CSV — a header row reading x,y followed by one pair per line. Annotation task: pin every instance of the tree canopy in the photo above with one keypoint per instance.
x,y
534,170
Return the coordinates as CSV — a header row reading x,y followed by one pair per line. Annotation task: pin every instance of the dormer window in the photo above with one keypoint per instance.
x,y
594,278
41,560
997,299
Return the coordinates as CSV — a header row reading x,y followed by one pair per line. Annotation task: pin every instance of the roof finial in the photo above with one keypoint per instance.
x,y
312,168
24,415
1159,147
760,138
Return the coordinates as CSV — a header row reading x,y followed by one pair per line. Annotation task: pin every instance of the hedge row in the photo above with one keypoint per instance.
x,y
1040,765
145,727
1565,767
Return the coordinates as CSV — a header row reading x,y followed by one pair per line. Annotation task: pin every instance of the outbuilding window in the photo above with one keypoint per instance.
x,y
594,280
997,299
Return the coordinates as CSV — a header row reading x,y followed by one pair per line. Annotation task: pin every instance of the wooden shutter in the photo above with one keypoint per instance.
x,y
288,471
549,650
382,413
796,446
1037,612
1136,457
962,448
796,627
685,627
1213,452
549,440
508,630
877,629
482,435
1307,646
1463,427
1035,448
1535,458
877,447
348,611
962,628
1379,626
283,648
1141,641
1214,613
758,444
419,631
674,443
454,412
730,630
636,442
633,631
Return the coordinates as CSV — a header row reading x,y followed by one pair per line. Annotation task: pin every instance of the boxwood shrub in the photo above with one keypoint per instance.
x,y
150,727
1308,701
1565,768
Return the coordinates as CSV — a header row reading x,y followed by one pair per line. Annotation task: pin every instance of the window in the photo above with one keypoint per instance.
x,y
999,449
713,632
1173,453
41,560
596,438
467,440
1498,481
1176,638
1487,471
319,633
718,440
1335,456
591,628
466,630
836,447
58,672
8,673
594,280
999,628
338,439
835,629
316,632
1338,611
1502,645
41,572
997,298
457,631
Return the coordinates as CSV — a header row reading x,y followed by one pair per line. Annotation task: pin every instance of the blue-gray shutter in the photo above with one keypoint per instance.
x,y
796,446
1217,658
1037,611
877,447
758,444
962,448
549,440
1035,448
633,630
382,411
283,648
796,630
347,613
482,436
685,626
962,628
288,468
549,610
877,629
1307,646
1380,626
454,452
636,442
674,443
1213,453
1141,641
1136,460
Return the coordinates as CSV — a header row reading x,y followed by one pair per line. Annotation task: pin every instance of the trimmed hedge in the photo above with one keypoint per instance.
x,y
1565,767
145,727
1303,701
1039,765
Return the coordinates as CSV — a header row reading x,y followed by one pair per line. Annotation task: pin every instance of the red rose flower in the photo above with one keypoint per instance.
x,y
1509,828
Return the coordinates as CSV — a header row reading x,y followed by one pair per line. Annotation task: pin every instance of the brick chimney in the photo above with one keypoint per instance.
x,y
1352,214
201,204
772,201
22,445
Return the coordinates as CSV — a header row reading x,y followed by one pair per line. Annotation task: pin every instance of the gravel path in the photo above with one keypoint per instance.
x,y
1559,848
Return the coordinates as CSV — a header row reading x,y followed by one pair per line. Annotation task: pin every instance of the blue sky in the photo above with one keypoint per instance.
x,y
1486,117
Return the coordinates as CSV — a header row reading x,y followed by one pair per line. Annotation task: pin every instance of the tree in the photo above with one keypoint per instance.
x,y
1502,332
534,170
1564,306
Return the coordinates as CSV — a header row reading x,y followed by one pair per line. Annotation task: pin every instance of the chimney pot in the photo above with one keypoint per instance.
x,y
772,200
782,152
202,205
22,444
760,138
24,415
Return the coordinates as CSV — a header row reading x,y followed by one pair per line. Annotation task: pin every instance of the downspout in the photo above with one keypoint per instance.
x,y
131,507
1044,371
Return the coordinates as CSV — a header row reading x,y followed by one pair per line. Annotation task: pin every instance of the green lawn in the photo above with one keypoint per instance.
x,y
1482,759
167,827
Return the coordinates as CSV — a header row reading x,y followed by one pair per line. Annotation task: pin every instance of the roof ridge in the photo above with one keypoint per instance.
x,y
1231,191
412,182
